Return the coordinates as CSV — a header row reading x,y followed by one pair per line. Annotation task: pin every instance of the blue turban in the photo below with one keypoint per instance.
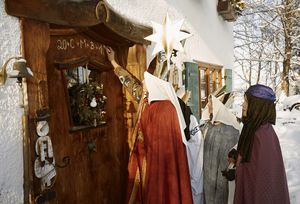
x,y
262,91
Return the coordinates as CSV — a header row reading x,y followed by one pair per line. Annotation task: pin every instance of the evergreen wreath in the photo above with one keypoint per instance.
x,y
87,104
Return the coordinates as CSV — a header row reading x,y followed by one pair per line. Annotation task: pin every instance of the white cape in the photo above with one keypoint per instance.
x,y
194,150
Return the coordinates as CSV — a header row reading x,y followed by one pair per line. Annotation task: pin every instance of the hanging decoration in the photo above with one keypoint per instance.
x,y
230,10
44,164
87,104
167,37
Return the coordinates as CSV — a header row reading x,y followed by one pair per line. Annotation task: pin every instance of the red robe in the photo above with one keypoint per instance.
x,y
167,178
262,180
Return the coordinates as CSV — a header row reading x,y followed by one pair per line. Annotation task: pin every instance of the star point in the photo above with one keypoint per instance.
x,y
167,36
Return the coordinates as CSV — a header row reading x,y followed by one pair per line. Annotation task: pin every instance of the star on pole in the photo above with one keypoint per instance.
x,y
167,36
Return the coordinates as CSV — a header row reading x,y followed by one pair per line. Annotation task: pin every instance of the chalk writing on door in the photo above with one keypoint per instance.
x,y
67,44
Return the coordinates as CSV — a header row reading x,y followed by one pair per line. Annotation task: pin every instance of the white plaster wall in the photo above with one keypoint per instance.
x,y
11,155
212,39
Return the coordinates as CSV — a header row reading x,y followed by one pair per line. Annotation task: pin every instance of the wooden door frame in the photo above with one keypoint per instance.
x,y
84,14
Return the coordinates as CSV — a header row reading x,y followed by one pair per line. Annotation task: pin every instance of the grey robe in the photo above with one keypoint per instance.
x,y
219,140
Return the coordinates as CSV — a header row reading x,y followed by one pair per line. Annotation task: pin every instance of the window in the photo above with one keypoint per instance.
x,y
85,97
210,80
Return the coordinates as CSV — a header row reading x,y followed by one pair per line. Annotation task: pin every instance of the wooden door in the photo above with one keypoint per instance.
x,y
93,175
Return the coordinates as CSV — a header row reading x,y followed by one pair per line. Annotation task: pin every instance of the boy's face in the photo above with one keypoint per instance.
x,y
210,105
230,160
245,107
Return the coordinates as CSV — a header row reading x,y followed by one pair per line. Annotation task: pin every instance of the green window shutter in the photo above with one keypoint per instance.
x,y
192,84
228,80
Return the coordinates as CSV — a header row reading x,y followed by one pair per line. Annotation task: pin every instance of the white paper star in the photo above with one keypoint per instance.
x,y
167,36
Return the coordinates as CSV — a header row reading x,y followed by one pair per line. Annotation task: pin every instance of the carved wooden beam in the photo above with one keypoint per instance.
x,y
79,13
61,12
121,25
206,65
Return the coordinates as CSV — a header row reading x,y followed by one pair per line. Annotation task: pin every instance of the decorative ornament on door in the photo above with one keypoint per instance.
x,y
87,104
86,98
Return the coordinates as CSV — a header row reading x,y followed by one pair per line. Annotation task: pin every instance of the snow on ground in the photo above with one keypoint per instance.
x,y
288,130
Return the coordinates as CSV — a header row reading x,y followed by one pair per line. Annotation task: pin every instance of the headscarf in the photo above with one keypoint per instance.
x,y
220,114
261,110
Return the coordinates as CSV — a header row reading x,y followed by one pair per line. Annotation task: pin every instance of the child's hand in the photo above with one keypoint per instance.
x,y
224,173
110,53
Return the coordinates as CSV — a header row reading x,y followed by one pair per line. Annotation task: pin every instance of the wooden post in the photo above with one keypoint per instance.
x,y
207,81
220,78
36,42
200,102
214,73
